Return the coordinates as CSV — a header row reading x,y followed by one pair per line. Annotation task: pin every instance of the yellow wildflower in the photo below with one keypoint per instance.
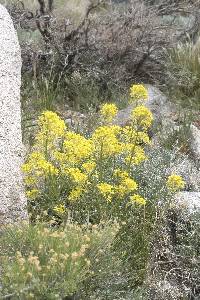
x,y
39,166
126,186
75,194
50,123
121,174
128,134
142,137
109,111
89,166
142,117
138,92
175,182
106,190
26,168
137,199
129,184
60,209
139,155
105,140
30,180
51,128
76,175
76,147
136,154
32,194
120,190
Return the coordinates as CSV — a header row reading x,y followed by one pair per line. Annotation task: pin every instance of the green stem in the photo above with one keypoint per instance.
x,y
132,152
100,162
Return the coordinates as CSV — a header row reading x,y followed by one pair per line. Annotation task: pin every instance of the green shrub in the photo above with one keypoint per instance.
x,y
40,262
66,170
134,239
98,177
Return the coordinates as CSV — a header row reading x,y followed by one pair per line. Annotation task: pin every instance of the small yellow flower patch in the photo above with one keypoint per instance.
x,y
106,141
60,209
49,122
138,92
89,166
137,199
175,183
108,111
142,117
32,194
76,175
75,194
106,190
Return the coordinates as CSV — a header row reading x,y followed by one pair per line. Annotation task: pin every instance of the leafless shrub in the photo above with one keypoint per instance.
x,y
108,43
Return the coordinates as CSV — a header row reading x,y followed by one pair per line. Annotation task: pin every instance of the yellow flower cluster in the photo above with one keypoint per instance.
x,y
39,166
136,154
129,184
138,92
131,135
67,166
108,111
49,122
106,141
75,194
76,148
51,128
126,185
106,190
137,199
175,182
89,166
76,175
142,117
60,209
32,194
121,174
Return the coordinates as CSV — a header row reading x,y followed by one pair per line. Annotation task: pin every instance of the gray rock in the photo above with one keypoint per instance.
x,y
195,142
190,201
170,257
12,197
163,110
